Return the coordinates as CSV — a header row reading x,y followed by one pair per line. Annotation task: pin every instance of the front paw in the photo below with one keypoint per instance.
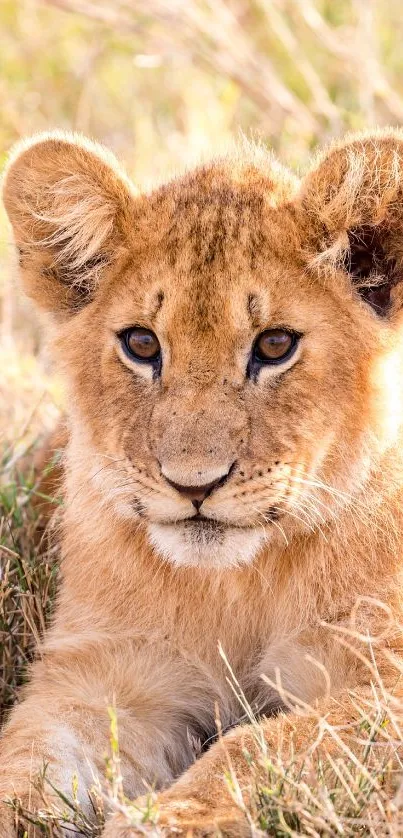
x,y
177,817
8,827
13,823
201,804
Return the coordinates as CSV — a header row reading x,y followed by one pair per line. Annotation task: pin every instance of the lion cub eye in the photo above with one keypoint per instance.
x,y
141,344
274,346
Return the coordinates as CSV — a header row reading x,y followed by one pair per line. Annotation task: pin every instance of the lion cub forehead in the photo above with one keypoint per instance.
x,y
248,173
210,239
223,211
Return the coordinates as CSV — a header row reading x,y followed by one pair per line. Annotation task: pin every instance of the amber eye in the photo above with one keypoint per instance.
x,y
274,345
141,344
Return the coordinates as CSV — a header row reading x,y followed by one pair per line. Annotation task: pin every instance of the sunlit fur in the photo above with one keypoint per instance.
x,y
303,537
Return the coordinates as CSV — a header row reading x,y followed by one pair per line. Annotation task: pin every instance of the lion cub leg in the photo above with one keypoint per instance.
x,y
64,724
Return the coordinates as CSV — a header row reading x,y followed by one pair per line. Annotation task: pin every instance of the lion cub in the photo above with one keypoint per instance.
x,y
232,345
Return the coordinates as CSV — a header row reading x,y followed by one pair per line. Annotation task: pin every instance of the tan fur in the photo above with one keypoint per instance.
x,y
208,261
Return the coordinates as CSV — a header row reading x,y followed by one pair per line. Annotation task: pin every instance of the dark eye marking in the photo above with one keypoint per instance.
x,y
159,299
254,310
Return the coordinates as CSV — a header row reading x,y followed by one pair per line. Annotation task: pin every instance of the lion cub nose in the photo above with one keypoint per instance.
x,y
197,494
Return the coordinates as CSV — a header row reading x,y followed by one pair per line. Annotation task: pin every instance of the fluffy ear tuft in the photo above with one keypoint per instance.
x,y
352,203
68,202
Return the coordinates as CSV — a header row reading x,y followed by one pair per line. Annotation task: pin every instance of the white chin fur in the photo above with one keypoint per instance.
x,y
185,547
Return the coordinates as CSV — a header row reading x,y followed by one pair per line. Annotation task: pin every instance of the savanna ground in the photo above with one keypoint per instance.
x,y
162,83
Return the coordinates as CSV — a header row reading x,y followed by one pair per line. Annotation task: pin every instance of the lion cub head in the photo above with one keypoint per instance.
x,y
225,337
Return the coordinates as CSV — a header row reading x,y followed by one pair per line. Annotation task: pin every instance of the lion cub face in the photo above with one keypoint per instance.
x,y
223,347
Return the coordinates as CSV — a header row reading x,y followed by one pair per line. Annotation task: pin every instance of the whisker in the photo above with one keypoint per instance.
x,y
353,501
276,524
88,480
313,506
335,517
113,459
317,525
362,511
293,514
320,485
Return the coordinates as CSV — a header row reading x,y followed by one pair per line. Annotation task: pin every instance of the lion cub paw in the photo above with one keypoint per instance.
x,y
178,818
7,827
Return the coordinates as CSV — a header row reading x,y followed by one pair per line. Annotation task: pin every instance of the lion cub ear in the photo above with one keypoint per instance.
x,y
352,206
69,205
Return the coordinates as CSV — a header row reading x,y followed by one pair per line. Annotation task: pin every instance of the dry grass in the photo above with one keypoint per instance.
x,y
27,562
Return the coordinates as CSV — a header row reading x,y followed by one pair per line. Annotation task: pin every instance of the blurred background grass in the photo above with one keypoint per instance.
x,y
163,82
